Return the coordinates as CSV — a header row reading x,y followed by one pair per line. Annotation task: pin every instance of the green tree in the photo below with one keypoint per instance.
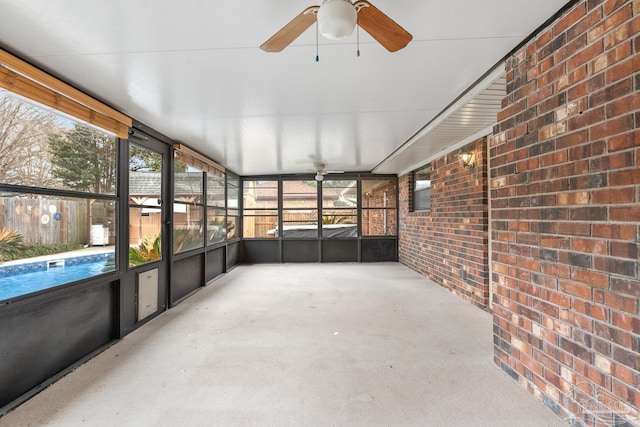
x,y
143,160
84,159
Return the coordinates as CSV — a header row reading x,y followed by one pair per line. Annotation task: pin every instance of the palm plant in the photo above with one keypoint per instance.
x,y
147,251
186,239
10,244
334,219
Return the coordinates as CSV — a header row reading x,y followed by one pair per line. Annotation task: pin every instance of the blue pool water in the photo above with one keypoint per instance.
x,y
21,280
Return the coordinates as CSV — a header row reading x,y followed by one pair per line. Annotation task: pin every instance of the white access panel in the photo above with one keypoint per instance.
x,y
147,293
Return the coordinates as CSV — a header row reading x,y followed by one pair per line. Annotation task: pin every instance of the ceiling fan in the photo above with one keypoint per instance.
x,y
337,20
318,168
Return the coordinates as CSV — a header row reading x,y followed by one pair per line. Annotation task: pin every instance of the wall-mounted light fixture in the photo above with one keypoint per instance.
x,y
467,160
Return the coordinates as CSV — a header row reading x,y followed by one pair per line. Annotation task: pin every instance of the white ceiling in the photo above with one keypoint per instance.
x,y
193,70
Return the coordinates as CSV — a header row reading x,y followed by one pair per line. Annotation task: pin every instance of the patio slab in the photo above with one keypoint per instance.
x,y
298,345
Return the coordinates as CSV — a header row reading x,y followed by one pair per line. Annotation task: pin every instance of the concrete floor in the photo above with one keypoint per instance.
x,y
298,345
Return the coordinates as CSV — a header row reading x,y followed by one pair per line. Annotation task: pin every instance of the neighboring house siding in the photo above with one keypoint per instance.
x,y
449,243
565,197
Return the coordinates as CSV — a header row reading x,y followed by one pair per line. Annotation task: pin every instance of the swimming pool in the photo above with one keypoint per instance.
x,y
26,278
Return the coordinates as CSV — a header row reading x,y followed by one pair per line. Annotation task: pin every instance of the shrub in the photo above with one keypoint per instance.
x,y
29,251
20,251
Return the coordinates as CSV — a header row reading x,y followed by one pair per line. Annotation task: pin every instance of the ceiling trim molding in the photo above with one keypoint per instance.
x,y
195,159
471,115
490,78
480,134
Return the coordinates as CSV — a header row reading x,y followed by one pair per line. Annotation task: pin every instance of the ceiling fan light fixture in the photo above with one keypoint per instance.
x,y
337,19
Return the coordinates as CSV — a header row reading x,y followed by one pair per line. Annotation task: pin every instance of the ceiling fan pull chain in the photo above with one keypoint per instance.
x,y
317,55
358,40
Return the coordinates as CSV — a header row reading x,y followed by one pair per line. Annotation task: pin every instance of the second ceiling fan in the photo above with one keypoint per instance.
x,y
336,20
318,168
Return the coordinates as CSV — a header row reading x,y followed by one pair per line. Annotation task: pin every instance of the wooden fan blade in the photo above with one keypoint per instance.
x,y
382,28
291,31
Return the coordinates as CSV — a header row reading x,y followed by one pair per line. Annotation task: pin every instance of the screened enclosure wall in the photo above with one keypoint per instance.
x,y
295,219
57,196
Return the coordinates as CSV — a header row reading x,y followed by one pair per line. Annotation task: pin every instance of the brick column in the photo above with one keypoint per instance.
x,y
565,189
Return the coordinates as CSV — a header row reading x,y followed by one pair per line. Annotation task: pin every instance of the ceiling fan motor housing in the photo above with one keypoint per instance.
x,y
337,19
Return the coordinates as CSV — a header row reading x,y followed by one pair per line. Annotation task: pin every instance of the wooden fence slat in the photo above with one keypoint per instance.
x,y
35,219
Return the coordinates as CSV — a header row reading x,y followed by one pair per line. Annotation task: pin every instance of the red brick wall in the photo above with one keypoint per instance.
x,y
565,197
449,243
379,217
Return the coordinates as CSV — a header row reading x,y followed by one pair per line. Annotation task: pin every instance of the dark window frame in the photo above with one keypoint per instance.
x,y
261,212
43,196
288,207
233,213
199,204
421,200
388,211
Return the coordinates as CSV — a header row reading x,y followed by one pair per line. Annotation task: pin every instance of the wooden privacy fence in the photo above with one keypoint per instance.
x,y
44,221
259,226
141,225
